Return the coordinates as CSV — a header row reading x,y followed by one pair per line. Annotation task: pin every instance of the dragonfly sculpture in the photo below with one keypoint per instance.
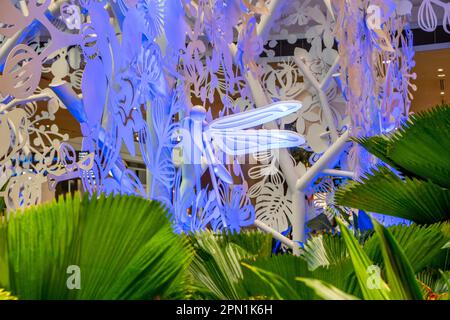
x,y
232,134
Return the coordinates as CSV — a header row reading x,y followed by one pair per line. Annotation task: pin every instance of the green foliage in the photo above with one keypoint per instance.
x,y
399,273
270,285
345,276
4,295
419,151
422,245
361,263
124,246
216,270
341,275
434,283
223,269
324,250
274,277
419,148
325,290
384,192
255,243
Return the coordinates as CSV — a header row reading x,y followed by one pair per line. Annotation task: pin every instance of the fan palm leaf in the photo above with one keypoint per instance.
x,y
361,264
341,275
325,290
419,151
324,250
399,273
265,284
419,148
274,278
123,247
384,192
216,271
422,245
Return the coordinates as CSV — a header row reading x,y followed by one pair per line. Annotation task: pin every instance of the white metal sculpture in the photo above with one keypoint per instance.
x,y
427,18
133,74
232,136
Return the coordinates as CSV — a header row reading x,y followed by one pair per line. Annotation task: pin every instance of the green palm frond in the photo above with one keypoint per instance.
x,y
378,146
123,247
434,282
399,273
255,243
348,277
422,245
324,250
216,270
420,148
271,285
5,295
401,281
325,290
341,275
384,192
274,278
362,264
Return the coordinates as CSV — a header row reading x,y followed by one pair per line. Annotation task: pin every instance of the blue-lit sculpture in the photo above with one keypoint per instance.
x,y
134,93
125,77
229,134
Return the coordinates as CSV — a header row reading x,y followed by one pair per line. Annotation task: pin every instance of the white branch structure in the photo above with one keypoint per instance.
x,y
322,130
297,184
34,98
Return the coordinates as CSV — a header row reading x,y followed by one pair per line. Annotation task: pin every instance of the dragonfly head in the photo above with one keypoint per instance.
x,y
198,113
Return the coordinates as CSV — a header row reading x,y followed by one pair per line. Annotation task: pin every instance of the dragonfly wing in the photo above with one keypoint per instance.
x,y
240,142
218,168
256,117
